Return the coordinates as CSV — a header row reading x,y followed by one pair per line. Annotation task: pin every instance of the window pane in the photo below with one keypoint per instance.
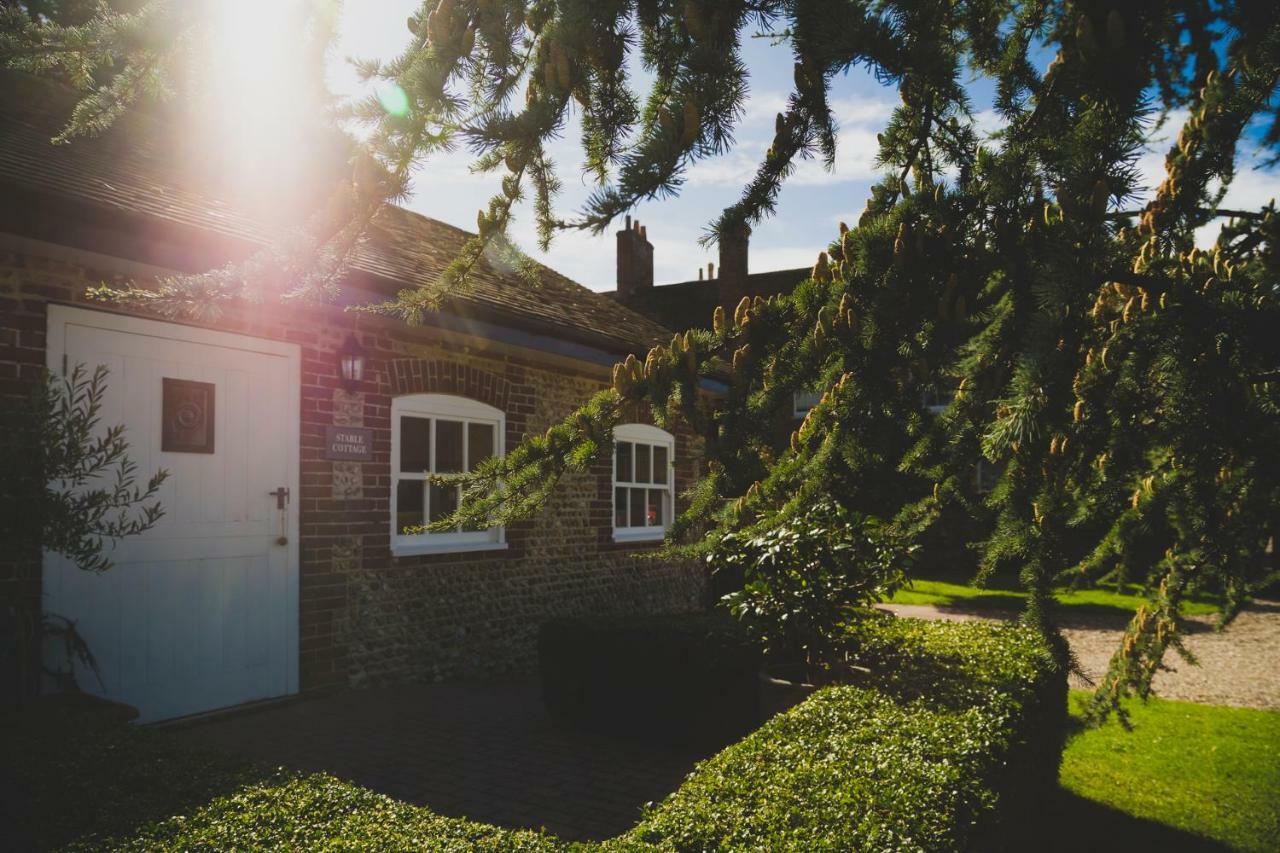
x,y
415,444
619,507
803,401
623,465
409,495
636,517
660,474
479,444
642,464
656,512
448,447
444,500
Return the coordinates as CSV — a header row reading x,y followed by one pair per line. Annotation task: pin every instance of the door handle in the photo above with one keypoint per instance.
x,y
282,498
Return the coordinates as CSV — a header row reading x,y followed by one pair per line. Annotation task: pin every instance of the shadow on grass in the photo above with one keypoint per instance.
x,y
1072,614
69,776
1105,617
994,605
1073,823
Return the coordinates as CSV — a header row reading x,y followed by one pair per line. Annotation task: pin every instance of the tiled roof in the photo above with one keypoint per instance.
x,y
133,169
690,304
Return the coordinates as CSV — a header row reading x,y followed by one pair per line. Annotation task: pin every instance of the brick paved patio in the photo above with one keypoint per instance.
x,y
482,751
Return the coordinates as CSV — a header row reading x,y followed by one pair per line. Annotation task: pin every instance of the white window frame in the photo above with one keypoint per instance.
x,y
936,398
652,436
981,471
451,408
803,401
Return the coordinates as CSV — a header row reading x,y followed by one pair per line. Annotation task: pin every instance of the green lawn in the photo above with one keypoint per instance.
x,y
962,596
1186,777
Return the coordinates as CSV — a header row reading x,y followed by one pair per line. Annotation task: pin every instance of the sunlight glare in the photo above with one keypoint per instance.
x,y
392,98
257,102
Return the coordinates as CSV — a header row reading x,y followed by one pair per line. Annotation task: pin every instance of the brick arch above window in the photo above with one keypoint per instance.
x,y
442,376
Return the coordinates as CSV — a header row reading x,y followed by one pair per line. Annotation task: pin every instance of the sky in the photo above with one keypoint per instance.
x,y
810,207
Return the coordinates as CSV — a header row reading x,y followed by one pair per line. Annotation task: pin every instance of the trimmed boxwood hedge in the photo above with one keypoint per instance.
x,y
686,679
291,812
954,720
958,724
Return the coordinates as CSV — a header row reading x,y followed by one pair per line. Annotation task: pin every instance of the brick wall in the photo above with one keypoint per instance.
x,y
366,616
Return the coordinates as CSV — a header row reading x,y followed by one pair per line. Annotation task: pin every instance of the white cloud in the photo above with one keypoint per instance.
x,y
987,122
787,257
1151,163
856,150
874,112
858,120
732,169
1252,188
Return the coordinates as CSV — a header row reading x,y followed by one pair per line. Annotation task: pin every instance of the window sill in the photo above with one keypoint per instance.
x,y
655,534
419,549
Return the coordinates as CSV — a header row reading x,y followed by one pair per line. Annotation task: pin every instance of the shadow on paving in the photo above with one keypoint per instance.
x,y
68,774
487,752
1073,824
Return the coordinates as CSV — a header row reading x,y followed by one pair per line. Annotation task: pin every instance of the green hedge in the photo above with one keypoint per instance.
x,y
678,679
291,812
954,719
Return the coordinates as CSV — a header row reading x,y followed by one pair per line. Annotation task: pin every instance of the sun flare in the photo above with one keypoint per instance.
x,y
259,104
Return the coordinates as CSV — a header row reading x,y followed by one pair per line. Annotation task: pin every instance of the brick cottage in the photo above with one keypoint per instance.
x,y
281,564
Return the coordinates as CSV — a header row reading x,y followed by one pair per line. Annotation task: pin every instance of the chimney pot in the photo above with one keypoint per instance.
x,y
711,270
699,273
733,265
635,259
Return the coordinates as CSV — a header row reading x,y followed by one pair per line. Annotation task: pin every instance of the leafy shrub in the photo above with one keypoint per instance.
x,y
954,720
688,679
289,811
76,779
956,725
801,580
70,485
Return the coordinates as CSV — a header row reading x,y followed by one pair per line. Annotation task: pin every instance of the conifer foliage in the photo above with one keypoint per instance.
x,y
1117,384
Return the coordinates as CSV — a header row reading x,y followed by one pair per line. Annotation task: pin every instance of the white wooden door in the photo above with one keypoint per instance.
x,y
200,612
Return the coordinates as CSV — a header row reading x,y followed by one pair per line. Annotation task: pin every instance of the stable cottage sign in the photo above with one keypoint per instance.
x,y
347,443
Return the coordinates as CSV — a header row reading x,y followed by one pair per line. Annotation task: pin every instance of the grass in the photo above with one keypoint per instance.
x,y
946,594
1206,776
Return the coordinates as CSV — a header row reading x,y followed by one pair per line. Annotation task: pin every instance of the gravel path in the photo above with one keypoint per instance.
x,y
1238,666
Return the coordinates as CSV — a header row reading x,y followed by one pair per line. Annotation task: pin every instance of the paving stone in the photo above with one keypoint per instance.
x,y
486,751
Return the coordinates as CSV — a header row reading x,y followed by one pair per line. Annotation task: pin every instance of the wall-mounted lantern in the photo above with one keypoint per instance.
x,y
351,363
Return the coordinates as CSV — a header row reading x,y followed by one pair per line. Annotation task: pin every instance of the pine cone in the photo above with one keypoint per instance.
x,y
695,24
692,126
564,69
821,270
1101,194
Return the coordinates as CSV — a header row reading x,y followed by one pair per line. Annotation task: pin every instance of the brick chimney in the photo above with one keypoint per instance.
x,y
635,260
733,266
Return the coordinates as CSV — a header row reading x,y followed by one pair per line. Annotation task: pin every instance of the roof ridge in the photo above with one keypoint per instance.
x,y
134,171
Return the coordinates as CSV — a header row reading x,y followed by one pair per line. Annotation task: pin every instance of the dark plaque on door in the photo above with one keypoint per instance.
x,y
187,409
